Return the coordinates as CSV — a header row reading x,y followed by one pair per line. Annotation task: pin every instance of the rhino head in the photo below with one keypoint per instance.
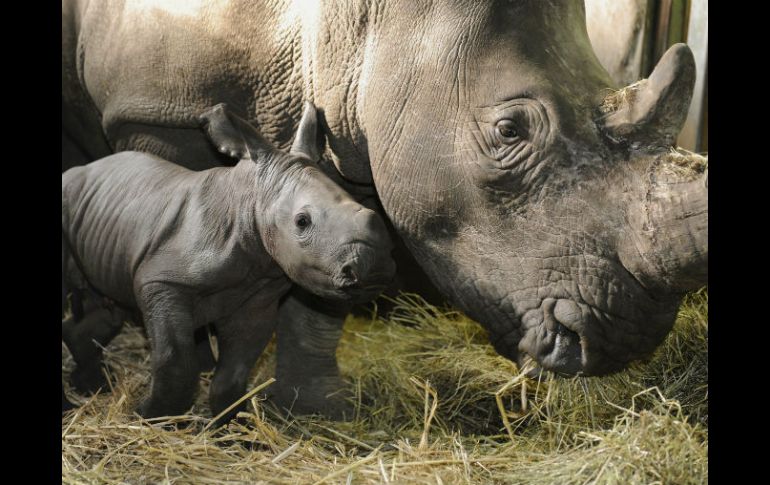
x,y
546,203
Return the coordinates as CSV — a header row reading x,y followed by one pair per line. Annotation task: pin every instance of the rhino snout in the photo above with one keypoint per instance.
x,y
552,336
366,258
360,269
364,271
567,354
353,274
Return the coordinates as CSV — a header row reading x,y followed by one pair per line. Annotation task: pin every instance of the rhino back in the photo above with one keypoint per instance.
x,y
116,210
151,67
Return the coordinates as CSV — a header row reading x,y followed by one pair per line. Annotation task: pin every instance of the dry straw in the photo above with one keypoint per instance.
x,y
434,404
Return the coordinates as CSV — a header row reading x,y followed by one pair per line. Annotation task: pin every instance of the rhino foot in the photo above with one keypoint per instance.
x,y
328,397
308,378
88,380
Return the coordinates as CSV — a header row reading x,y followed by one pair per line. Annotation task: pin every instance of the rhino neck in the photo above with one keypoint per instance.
x,y
239,202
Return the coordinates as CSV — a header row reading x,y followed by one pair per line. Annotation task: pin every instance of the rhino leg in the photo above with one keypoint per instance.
x,y
89,328
308,378
240,339
168,317
84,339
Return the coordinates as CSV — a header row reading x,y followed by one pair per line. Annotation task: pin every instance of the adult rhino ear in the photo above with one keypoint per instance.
x,y
231,134
306,141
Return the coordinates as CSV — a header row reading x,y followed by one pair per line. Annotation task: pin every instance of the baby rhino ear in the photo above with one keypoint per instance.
x,y
231,134
306,142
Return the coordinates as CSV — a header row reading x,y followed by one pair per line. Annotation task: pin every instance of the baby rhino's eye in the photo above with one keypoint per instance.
x,y
302,220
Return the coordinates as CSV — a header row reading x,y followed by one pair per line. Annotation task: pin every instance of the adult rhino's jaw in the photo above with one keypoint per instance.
x,y
619,308
571,336
570,304
610,310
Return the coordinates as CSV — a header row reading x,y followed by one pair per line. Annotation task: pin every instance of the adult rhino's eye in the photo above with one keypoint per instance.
x,y
302,220
507,131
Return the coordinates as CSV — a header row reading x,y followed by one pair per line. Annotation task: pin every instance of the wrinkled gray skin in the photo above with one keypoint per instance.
x,y
560,226
222,245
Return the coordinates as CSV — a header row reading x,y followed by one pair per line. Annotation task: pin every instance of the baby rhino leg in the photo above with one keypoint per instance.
x,y
168,316
85,339
241,339
307,373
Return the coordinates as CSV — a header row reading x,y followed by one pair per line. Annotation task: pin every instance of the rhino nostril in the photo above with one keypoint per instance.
x,y
349,275
566,355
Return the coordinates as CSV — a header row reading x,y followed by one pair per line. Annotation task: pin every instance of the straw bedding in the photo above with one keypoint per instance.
x,y
433,404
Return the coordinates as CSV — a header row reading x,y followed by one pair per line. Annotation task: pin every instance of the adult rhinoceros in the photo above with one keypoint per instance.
x,y
548,207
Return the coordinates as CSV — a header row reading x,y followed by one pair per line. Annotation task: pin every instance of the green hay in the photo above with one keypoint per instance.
x,y
428,389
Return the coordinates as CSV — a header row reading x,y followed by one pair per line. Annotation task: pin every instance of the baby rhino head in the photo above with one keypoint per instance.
x,y
318,234
329,243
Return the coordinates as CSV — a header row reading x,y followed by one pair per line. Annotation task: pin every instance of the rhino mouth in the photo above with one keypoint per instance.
x,y
570,338
361,293
583,326
549,337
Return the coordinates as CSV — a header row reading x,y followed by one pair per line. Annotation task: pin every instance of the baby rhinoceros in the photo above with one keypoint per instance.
x,y
181,249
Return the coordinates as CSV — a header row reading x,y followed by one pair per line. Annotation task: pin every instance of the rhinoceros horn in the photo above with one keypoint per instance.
x,y
669,220
652,111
